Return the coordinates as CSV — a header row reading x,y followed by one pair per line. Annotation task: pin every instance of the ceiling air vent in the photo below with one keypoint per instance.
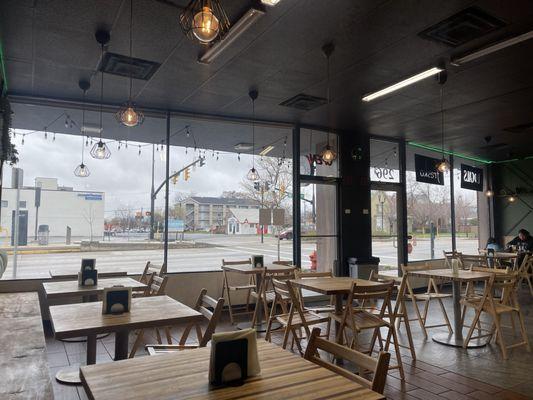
x,y
468,24
137,68
304,102
523,128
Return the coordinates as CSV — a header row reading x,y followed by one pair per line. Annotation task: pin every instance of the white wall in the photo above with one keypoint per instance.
x,y
58,210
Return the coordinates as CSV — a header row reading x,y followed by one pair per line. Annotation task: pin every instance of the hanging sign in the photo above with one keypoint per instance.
x,y
471,178
426,170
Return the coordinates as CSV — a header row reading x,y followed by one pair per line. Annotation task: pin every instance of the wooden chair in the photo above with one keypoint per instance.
x,y
399,310
296,318
156,287
265,296
227,288
495,307
152,269
432,293
283,262
358,318
204,304
378,367
525,273
468,261
449,256
328,308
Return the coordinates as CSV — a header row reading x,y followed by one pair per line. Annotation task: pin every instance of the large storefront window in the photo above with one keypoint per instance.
x,y
318,201
428,208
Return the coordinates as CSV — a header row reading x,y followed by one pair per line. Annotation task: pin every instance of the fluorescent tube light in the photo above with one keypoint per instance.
x,y
266,150
402,84
247,20
491,49
270,2
243,146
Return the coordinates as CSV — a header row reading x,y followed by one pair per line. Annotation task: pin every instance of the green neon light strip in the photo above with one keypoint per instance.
x,y
3,67
452,153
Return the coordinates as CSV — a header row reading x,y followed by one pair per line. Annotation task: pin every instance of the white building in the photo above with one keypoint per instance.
x,y
245,221
82,211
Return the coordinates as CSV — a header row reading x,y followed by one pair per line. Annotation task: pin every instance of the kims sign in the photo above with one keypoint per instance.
x,y
471,178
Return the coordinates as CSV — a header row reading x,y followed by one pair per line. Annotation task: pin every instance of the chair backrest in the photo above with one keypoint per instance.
x,y
237,262
410,267
468,261
313,274
378,366
283,262
491,270
505,284
152,269
156,285
204,304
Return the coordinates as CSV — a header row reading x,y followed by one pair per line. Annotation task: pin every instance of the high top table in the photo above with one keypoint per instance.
x,y
184,375
456,338
86,319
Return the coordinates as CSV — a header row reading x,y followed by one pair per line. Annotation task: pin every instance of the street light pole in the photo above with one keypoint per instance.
x,y
152,198
262,206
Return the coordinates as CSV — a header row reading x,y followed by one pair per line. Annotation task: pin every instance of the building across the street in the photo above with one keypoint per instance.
x,y
57,207
211,213
244,221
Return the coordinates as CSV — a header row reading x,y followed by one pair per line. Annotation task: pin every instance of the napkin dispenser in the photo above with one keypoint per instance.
x,y
88,277
88,264
258,261
116,300
233,357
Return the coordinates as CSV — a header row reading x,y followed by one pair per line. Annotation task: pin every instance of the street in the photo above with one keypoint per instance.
x,y
207,259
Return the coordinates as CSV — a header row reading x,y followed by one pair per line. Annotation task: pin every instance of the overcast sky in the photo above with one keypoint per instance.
x,y
126,176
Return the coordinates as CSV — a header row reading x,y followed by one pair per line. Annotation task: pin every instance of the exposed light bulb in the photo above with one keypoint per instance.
x,y
205,25
100,152
443,166
489,193
512,199
253,175
22,142
328,154
139,150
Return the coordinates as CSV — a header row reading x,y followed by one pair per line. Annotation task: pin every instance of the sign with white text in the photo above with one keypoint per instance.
x,y
426,170
471,178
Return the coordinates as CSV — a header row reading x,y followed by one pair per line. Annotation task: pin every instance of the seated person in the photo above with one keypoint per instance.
x,y
523,242
493,245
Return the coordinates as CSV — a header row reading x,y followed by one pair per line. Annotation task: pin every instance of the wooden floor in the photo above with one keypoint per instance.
x,y
439,373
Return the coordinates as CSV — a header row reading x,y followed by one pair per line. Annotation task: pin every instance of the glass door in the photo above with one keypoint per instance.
x,y
384,215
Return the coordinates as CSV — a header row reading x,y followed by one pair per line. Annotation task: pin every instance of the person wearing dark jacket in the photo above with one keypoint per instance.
x,y
524,241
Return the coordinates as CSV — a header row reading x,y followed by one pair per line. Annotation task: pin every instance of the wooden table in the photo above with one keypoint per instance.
x,y
456,338
337,287
184,374
260,326
86,319
63,289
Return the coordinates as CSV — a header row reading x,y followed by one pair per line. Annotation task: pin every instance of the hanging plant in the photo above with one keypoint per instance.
x,y
5,141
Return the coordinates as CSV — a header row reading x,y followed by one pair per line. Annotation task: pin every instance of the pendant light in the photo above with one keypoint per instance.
x,y
328,154
81,170
129,115
253,175
100,150
204,20
443,165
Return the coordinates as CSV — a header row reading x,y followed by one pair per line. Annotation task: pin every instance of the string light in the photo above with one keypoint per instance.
x,y
66,121
87,141
54,137
45,133
139,149
239,156
23,139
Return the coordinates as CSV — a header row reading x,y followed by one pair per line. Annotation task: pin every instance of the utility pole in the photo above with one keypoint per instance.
x,y
152,197
167,178
262,206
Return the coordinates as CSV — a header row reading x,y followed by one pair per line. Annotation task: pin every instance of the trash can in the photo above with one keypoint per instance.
x,y
43,235
360,267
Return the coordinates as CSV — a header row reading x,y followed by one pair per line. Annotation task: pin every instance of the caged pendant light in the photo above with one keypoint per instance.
x,y
129,115
443,165
100,150
81,170
328,154
204,20
253,175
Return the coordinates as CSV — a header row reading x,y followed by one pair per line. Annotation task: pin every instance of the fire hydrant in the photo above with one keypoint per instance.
x,y
312,258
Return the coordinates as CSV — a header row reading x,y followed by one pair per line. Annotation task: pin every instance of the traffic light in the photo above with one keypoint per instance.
x,y
282,190
187,174
175,179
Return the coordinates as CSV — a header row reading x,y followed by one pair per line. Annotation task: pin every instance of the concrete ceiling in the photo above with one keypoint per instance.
x,y
49,45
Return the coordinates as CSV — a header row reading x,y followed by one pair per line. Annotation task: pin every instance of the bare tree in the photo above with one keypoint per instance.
x,y
89,216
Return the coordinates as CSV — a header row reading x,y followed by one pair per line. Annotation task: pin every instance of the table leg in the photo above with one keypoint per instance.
x,y
91,349
456,339
71,376
338,313
260,325
121,345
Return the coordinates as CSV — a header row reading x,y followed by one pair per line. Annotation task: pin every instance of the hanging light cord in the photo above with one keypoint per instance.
x,y
101,97
131,44
253,134
82,125
442,117
328,96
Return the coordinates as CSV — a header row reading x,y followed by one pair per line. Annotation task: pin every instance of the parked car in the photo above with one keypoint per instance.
x,y
286,234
